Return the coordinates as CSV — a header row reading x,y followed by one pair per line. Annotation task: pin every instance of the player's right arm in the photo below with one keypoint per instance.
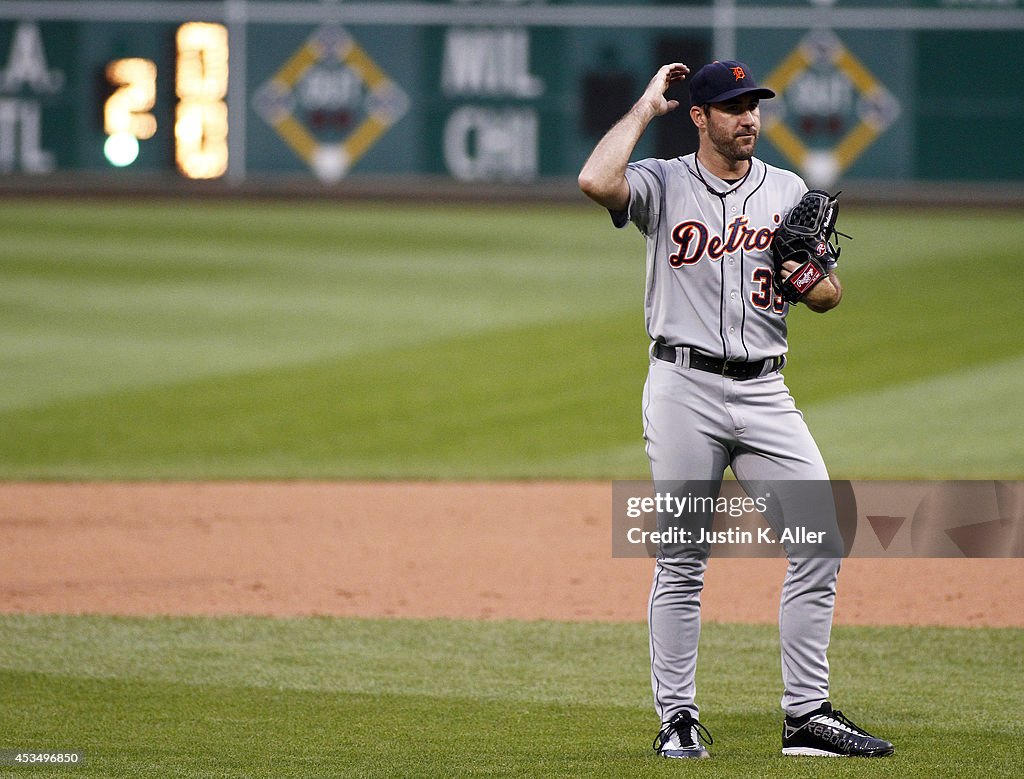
x,y
603,177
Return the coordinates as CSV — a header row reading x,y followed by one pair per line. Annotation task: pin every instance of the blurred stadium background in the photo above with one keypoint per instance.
x,y
890,98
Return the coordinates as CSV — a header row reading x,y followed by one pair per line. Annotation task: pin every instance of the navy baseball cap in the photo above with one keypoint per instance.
x,y
718,81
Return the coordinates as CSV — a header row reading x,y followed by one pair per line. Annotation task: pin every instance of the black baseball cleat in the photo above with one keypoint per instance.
x,y
680,737
827,733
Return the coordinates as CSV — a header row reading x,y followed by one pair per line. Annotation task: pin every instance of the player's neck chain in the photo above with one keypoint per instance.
x,y
696,172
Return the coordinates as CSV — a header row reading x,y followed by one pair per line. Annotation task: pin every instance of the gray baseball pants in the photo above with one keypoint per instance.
x,y
695,425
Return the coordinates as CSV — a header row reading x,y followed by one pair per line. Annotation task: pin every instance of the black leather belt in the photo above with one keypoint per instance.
x,y
741,371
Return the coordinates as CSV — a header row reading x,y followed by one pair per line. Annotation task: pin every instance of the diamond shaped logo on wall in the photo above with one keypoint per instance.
x,y
829,110
330,103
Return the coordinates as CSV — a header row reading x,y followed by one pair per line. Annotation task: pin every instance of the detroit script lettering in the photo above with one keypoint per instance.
x,y
693,240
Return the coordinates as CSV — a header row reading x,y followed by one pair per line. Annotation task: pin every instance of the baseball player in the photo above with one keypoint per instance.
x,y
715,310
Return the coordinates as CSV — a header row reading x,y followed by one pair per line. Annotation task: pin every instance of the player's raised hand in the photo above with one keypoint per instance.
x,y
603,176
656,88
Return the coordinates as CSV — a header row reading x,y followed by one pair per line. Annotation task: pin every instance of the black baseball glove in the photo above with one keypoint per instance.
x,y
805,236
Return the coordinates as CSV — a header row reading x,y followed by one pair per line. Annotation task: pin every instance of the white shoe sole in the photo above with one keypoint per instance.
x,y
809,752
699,756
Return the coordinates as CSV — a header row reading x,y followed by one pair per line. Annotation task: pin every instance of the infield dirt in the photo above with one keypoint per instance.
x,y
535,550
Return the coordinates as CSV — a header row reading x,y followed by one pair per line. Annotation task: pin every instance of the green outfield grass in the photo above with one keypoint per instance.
x,y
257,697
176,339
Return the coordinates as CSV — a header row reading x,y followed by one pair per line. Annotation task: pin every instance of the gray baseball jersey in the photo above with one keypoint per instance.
x,y
709,288
709,265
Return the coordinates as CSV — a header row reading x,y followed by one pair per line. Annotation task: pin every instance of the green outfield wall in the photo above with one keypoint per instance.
x,y
904,91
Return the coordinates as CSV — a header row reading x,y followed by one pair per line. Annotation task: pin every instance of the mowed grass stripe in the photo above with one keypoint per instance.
x,y
915,319
541,401
172,292
180,340
488,404
339,697
967,424
510,404
507,660
139,729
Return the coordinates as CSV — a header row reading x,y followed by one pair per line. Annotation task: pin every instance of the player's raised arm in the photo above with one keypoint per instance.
x,y
603,177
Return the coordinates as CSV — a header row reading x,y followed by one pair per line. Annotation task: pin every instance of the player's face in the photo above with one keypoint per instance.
x,y
733,127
